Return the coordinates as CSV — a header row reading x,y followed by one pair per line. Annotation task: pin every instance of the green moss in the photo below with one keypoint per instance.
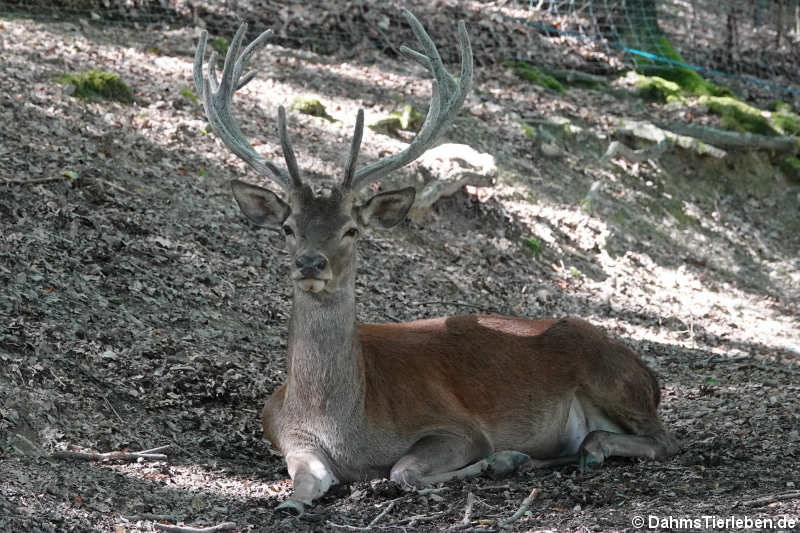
x,y
534,75
785,120
310,105
533,245
189,95
791,167
528,130
94,84
220,46
404,119
657,89
687,78
739,116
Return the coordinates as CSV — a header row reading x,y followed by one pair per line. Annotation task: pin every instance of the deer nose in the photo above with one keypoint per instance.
x,y
311,266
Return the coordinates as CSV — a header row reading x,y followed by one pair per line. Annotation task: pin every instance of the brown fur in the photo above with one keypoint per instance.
x,y
487,371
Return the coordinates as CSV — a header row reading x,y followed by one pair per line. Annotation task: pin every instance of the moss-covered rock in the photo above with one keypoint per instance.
x,y
403,119
310,105
532,74
785,120
739,116
98,84
656,89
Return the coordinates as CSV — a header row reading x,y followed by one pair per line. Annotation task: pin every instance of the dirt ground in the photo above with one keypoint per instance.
x,y
139,309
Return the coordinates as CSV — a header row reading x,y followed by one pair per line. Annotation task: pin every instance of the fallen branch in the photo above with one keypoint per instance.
x,y
433,490
572,76
652,133
146,455
733,140
506,524
225,526
772,498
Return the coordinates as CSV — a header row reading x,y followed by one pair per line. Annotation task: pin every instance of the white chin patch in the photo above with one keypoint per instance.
x,y
311,285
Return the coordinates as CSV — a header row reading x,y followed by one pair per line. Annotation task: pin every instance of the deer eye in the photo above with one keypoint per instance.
x,y
288,231
352,232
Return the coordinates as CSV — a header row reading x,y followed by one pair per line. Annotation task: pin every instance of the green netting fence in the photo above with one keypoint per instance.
x,y
752,46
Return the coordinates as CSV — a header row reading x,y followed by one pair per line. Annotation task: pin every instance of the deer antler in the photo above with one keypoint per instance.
x,y
447,96
217,96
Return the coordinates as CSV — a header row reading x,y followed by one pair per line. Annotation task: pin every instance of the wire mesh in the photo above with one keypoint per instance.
x,y
752,46
752,43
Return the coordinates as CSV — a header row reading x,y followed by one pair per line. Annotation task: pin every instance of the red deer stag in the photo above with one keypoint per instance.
x,y
427,401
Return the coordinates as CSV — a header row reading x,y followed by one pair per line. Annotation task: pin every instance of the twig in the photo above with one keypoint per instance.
x,y
425,492
113,410
114,456
35,181
716,359
467,514
346,526
368,526
114,186
772,498
225,526
392,317
149,516
412,521
383,513
155,450
505,524
495,487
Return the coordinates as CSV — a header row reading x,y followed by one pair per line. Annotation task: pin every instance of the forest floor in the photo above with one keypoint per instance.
x,y
139,309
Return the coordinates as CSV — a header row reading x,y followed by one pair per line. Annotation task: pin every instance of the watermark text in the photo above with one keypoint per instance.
x,y
715,522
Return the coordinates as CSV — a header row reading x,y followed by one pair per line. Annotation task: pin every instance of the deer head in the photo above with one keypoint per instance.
x,y
321,229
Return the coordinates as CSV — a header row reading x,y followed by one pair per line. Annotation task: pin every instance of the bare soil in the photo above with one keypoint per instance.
x,y
139,309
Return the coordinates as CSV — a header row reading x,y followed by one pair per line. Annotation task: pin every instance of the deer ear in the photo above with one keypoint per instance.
x,y
386,209
262,207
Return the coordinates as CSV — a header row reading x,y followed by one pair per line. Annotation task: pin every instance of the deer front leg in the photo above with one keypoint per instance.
x,y
311,478
600,445
441,458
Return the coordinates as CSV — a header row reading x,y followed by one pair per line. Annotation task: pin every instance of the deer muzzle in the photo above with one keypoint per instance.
x,y
312,272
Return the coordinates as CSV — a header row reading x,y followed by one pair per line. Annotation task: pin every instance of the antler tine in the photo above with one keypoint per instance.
x,y
447,96
288,152
355,146
217,96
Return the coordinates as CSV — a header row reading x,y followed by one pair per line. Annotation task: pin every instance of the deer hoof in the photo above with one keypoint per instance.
x,y
292,507
407,479
588,462
505,463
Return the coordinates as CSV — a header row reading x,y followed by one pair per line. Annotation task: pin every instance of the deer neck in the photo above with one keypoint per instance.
x,y
325,372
